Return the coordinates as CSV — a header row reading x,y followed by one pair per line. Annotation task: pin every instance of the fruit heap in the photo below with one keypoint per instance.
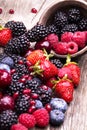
x,y
35,86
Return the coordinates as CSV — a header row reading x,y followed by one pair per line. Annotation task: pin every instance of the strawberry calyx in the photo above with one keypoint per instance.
x,y
1,28
48,56
68,60
36,69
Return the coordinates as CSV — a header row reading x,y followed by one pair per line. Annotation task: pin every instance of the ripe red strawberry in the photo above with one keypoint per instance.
x,y
45,69
75,70
36,55
64,89
5,36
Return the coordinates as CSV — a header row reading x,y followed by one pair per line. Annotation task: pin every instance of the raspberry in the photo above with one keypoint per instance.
x,y
18,127
66,37
52,39
72,47
80,39
42,117
27,120
61,48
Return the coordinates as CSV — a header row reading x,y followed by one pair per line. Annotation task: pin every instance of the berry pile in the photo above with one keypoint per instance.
x,y
35,86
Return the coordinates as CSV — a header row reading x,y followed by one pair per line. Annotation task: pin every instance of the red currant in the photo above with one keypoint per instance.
x,y
0,10
48,107
11,11
33,10
27,91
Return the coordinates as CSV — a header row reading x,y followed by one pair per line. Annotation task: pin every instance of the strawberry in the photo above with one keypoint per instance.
x,y
5,36
45,69
64,89
75,70
36,55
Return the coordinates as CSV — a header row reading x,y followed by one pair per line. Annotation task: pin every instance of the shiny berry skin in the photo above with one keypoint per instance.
x,y
27,91
13,71
72,47
32,102
33,10
7,102
31,109
48,107
15,95
43,45
34,96
11,11
5,78
20,62
0,10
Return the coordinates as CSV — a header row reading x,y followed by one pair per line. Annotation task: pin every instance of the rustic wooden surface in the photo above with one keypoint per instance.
x,y
76,115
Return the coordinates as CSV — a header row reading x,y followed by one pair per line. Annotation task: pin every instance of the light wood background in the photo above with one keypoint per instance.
x,y
76,115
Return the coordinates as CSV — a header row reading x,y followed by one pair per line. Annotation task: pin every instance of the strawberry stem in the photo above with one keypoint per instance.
x,y
47,55
68,59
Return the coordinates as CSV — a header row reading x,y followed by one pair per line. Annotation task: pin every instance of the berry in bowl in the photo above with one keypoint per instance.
x,y
67,24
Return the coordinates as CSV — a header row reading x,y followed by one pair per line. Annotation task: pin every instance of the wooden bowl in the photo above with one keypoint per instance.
x,y
63,5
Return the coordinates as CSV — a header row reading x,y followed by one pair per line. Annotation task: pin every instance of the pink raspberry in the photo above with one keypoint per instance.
x,y
72,47
80,39
42,117
66,37
18,127
61,48
52,39
27,120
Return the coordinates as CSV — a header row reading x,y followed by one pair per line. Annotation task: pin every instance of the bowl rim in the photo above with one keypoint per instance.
x,y
42,20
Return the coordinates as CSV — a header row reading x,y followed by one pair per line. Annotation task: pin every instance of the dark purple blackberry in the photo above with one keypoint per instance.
x,y
83,24
60,19
7,118
18,45
44,95
57,62
32,84
10,24
70,28
15,77
74,15
37,33
22,104
52,29
16,87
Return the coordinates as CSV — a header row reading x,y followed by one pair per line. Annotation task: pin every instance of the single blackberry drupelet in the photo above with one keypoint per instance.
x,y
15,77
60,19
70,28
10,25
22,104
44,95
32,84
83,24
57,62
16,87
7,118
74,15
18,45
37,33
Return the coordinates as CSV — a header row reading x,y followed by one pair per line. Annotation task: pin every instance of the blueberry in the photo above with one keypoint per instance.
x,y
56,117
38,104
9,61
58,103
5,67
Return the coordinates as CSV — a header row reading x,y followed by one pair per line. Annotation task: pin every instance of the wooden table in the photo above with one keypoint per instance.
x,y
76,115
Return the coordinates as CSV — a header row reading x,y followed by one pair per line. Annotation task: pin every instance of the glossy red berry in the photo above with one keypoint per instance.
x,y
32,102
13,71
34,96
0,10
33,10
48,107
15,95
27,91
31,109
20,62
11,11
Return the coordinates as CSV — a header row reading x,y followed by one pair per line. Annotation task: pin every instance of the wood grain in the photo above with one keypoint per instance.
x,y
76,115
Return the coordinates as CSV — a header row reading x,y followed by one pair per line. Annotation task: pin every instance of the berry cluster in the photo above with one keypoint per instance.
x,y
35,86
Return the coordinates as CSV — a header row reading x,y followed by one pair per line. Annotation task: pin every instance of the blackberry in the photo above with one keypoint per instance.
x,y
16,87
70,28
60,19
18,45
37,33
22,104
32,84
15,77
83,24
44,95
74,15
10,24
7,118
57,62
52,29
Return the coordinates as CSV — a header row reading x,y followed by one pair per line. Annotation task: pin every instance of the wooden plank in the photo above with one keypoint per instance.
x,y
76,115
